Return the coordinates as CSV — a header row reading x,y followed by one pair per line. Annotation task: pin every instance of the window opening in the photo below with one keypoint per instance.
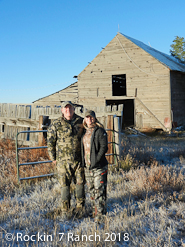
x,y
119,85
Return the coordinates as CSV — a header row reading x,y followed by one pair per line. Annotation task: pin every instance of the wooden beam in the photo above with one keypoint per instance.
x,y
110,139
19,122
117,130
41,136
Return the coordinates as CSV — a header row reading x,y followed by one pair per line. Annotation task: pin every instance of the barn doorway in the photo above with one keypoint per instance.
x,y
128,111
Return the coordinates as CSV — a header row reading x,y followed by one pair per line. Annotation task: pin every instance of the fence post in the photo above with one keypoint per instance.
x,y
40,137
117,130
110,138
17,157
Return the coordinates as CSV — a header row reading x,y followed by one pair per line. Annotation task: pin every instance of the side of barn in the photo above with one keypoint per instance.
x,y
178,97
68,93
124,73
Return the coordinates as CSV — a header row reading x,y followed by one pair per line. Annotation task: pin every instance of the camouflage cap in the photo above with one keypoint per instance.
x,y
90,113
64,103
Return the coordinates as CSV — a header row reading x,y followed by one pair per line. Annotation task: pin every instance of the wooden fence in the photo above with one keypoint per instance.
x,y
15,118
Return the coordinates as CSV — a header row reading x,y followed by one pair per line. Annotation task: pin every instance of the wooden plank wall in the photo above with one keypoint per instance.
x,y
144,74
15,118
178,98
69,93
146,119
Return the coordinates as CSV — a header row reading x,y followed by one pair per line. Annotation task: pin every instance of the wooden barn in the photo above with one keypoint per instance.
x,y
149,83
68,93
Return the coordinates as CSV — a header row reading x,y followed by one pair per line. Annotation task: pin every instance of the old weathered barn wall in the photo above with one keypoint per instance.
x,y
147,82
15,118
178,97
68,93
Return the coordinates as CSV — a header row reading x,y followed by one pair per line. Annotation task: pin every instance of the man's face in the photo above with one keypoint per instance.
x,y
68,112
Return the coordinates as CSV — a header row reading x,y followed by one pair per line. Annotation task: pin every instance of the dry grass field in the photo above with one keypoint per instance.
x,y
145,199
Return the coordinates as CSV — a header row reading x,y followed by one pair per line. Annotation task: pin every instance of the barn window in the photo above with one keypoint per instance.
x,y
119,85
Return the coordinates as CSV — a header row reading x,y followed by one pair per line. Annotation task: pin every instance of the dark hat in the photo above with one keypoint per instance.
x,y
90,113
66,103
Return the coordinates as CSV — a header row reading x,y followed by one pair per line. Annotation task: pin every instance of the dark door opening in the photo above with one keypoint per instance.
x,y
128,111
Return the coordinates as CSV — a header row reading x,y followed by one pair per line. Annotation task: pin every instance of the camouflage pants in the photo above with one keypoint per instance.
x,y
68,172
96,180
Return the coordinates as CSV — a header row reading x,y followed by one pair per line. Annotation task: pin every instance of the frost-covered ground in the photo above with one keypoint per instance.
x,y
166,149
146,205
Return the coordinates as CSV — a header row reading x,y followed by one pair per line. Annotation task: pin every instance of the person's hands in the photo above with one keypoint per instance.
x,y
54,162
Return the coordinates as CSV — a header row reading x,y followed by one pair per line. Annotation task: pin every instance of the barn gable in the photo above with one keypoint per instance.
x,y
130,72
68,93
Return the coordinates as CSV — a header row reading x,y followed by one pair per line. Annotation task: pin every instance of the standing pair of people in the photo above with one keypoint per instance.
x,y
75,145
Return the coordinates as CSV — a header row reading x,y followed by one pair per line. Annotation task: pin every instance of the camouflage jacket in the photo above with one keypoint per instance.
x,y
63,139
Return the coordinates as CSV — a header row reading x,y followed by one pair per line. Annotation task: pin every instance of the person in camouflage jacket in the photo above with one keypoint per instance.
x,y
63,140
94,146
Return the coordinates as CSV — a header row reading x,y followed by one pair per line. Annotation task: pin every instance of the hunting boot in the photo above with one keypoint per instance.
x,y
80,201
80,208
65,204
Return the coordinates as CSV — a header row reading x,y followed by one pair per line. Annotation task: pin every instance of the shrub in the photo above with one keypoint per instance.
x,y
8,168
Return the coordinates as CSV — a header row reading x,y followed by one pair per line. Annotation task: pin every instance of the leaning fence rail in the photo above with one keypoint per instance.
x,y
115,155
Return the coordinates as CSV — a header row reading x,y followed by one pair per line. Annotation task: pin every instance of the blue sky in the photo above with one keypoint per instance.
x,y
44,43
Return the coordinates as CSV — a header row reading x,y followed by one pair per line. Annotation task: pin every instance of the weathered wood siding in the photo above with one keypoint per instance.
x,y
178,97
69,93
143,72
15,118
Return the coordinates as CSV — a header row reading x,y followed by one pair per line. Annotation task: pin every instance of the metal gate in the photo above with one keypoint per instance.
x,y
29,163
49,161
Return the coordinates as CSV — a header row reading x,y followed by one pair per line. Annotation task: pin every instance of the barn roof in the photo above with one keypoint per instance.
x,y
71,85
169,61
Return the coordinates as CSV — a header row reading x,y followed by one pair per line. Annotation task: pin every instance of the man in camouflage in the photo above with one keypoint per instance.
x,y
63,140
